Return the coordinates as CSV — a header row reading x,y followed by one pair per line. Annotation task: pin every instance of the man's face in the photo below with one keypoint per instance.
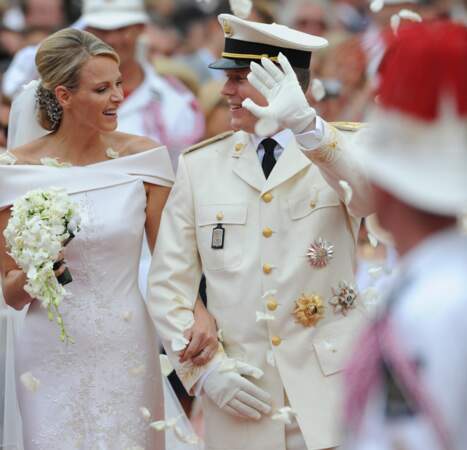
x,y
123,40
236,89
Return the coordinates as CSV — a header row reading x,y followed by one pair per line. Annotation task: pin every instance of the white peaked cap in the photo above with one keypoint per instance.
x,y
113,14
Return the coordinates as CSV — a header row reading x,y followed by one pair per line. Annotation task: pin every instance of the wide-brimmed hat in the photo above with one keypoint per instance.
x,y
416,145
247,41
113,14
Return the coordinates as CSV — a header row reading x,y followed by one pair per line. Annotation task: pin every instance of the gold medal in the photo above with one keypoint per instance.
x,y
309,309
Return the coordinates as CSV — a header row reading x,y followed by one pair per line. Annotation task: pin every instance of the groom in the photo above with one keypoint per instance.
x,y
271,225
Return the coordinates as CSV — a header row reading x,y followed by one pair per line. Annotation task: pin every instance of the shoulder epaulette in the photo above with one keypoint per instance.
x,y
209,141
348,126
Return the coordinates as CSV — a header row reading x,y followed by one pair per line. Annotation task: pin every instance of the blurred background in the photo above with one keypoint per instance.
x,y
184,36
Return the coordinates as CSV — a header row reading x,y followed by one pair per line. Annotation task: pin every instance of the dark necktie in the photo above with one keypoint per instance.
x,y
269,160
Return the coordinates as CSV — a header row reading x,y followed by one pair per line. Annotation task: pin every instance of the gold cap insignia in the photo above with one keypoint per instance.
x,y
309,310
228,31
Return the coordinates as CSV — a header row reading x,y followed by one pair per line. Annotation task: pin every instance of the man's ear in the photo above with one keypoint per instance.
x,y
64,96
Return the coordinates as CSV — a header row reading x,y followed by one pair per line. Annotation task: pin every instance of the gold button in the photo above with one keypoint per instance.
x,y
276,341
238,147
267,197
312,204
219,215
272,305
267,232
267,268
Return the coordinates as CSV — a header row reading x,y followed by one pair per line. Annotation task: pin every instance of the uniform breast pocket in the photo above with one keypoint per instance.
x,y
304,205
221,235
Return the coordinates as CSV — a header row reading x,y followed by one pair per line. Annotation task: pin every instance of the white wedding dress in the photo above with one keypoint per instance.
x,y
91,392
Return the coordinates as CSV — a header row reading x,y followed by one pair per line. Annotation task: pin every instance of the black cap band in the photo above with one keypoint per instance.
x,y
253,51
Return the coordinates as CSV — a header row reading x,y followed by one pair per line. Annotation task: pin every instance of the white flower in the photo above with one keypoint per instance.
x,y
30,382
38,227
348,193
166,366
284,415
53,162
145,413
241,8
7,158
317,90
260,316
111,153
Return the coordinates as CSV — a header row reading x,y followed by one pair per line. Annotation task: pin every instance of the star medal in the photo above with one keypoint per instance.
x,y
320,253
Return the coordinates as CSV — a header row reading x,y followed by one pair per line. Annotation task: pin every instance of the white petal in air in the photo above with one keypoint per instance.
x,y
407,14
377,5
145,413
269,293
179,344
166,366
220,335
267,126
317,90
30,382
270,358
127,316
347,191
284,415
263,317
395,22
241,8
111,153
162,425
376,272
190,439
372,239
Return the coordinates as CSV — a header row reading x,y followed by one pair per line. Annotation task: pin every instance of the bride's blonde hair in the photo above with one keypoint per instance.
x,y
59,60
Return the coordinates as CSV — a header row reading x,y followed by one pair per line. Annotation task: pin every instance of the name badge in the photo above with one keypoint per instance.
x,y
218,235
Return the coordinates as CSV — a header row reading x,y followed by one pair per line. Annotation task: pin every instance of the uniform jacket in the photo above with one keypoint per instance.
x,y
263,267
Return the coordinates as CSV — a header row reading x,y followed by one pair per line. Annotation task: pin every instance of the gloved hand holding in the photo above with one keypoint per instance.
x,y
287,103
233,393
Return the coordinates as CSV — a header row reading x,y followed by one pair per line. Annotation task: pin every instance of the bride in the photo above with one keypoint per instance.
x,y
90,394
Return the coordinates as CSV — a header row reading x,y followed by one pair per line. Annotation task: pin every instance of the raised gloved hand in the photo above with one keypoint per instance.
x,y
233,393
287,103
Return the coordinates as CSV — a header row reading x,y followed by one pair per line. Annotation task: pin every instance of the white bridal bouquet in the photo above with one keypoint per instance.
x,y
42,222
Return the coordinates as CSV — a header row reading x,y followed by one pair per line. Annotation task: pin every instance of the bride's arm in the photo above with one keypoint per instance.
x,y
203,335
13,278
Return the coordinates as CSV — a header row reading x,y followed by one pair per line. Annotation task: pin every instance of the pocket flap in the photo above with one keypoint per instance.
x,y
222,213
334,343
304,204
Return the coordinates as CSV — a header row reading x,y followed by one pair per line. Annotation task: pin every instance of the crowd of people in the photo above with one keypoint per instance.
x,y
237,207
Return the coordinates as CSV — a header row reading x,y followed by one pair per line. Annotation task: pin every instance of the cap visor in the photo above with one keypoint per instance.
x,y
227,64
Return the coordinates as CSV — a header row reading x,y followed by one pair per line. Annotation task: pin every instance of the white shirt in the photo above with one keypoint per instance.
x,y
430,318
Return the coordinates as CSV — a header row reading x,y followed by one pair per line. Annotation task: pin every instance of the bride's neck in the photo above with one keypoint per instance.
x,y
78,145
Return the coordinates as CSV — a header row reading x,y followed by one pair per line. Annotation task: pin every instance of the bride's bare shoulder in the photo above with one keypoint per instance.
x,y
130,144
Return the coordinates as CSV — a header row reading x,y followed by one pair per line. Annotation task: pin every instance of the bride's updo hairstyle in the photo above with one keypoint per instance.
x,y
59,60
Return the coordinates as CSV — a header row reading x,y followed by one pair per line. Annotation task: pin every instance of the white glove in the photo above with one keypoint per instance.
x,y
236,395
287,103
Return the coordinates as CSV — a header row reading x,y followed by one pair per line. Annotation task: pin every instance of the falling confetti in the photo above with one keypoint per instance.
x,y
347,191
241,8
317,90
284,415
30,382
263,317
145,413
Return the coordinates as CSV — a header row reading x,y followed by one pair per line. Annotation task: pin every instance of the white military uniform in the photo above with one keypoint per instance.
x,y
262,267
433,286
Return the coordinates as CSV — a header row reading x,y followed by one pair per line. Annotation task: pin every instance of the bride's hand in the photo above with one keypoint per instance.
x,y
202,336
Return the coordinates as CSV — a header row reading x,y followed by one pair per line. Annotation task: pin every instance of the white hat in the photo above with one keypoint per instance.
x,y
416,147
247,41
113,14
